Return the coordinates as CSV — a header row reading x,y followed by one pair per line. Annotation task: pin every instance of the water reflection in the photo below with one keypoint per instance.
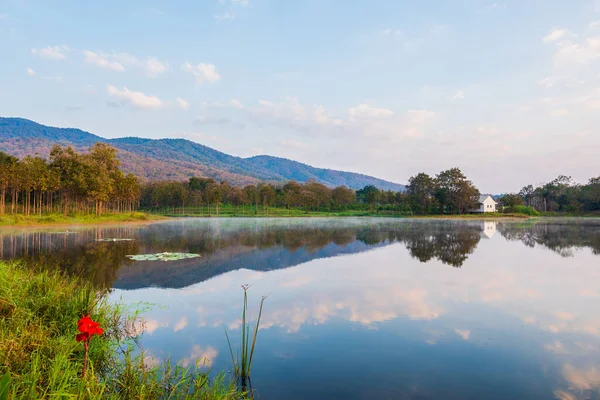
x,y
227,245
364,308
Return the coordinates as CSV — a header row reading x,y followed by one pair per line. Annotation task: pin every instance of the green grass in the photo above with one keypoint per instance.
x,y
82,219
39,357
242,363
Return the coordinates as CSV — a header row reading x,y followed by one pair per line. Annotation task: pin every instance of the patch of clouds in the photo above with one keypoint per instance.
x,y
183,104
236,103
52,52
556,35
136,99
460,95
465,334
120,62
202,72
203,357
365,111
32,73
570,49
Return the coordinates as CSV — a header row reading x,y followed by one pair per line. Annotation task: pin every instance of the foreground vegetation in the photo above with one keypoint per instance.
x,y
40,358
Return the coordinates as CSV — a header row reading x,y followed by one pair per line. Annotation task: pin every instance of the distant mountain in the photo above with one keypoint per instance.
x,y
155,159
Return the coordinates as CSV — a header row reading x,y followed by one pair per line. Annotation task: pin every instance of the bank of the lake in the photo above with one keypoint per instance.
x,y
81,219
40,358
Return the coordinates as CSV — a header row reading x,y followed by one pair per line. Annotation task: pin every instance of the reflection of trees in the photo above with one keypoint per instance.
x,y
449,243
562,237
227,247
76,254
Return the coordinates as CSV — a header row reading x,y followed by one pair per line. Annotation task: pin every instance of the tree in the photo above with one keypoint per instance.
x,y
369,195
291,194
7,164
455,192
421,189
214,194
511,200
342,196
267,197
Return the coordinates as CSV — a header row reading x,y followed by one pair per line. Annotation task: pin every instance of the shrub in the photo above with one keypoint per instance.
x,y
527,211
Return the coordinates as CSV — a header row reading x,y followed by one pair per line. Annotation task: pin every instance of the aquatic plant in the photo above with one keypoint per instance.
x,y
243,362
162,256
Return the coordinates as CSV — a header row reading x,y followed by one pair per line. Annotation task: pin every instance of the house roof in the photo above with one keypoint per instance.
x,y
483,197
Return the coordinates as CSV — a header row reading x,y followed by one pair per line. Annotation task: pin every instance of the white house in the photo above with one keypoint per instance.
x,y
485,204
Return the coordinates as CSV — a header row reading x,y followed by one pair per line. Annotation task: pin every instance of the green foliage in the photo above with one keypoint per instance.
x,y
526,210
70,182
39,357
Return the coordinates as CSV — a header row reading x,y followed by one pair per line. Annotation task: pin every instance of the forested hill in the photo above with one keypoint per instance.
x,y
176,159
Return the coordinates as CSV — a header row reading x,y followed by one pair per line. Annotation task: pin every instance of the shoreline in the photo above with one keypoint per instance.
x,y
112,219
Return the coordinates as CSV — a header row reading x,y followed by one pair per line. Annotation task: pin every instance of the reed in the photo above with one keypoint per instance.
x,y
242,360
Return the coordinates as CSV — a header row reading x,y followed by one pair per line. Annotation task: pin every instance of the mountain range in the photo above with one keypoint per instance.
x,y
176,159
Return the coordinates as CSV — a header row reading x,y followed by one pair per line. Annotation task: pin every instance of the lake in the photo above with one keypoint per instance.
x,y
359,308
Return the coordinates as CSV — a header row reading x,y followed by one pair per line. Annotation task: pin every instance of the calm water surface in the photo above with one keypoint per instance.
x,y
361,308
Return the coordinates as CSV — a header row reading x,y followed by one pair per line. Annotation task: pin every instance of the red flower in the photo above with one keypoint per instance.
x,y
88,328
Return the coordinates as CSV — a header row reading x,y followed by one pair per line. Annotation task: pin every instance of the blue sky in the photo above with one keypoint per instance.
x,y
509,90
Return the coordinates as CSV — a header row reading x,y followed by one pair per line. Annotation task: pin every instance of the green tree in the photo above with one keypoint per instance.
x,y
421,189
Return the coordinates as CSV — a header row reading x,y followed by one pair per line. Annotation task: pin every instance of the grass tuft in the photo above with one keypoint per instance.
x,y
242,363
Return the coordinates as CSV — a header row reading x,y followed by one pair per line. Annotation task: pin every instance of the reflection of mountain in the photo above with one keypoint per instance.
x,y
264,245
227,245
562,236
185,273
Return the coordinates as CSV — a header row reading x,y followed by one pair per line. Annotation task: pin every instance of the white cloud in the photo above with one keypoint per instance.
x,y
184,104
202,72
580,53
181,324
31,72
557,34
119,62
365,111
136,99
463,333
52,52
153,67
594,25
460,95
266,103
201,356
102,61
236,103
243,3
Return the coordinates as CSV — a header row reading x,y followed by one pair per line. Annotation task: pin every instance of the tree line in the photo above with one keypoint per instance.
x,y
73,182
560,195
448,192
67,182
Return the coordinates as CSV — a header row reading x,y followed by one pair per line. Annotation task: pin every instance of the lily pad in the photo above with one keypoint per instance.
x,y
114,240
162,256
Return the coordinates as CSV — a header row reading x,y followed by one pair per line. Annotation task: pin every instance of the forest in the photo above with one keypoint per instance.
x,y
72,182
